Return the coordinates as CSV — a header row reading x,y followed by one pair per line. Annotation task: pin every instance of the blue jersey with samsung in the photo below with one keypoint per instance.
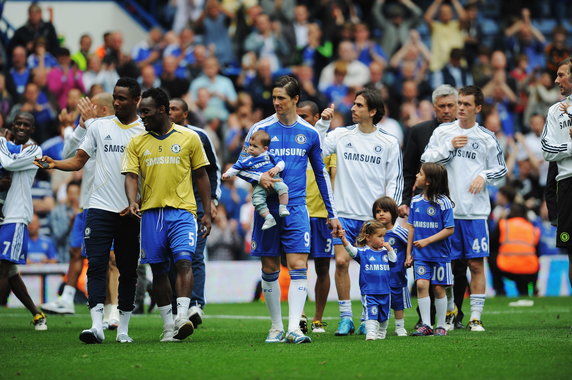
x,y
397,238
374,273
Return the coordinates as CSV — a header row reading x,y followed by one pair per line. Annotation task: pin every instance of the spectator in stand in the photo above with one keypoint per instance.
x,y
62,218
497,92
64,77
175,86
267,42
102,50
40,57
557,50
187,13
232,197
524,38
530,146
19,73
44,114
472,31
301,26
183,51
81,56
148,51
6,99
260,87
453,73
358,73
446,33
396,25
309,91
225,240
115,57
43,199
99,73
367,50
214,23
222,92
148,79
542,93
41,249
337,92
317,52
33,28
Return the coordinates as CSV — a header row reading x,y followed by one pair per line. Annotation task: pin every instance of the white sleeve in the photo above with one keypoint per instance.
x,y
438,150
351,250
496,166
72,141
552,148
322,127
281,165
89,143
21,161
394,170
232,172
329,143
392,256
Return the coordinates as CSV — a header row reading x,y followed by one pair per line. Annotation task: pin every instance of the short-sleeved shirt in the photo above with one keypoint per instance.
x,y
374,271
165,164
428,218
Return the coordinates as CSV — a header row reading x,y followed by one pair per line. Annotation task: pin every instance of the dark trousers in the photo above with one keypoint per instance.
x,y
460,275
101,230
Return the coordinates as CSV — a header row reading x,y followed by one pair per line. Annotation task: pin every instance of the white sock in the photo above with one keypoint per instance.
x,y
113,313
97,317
477,305
425,310
124,317
297,293
271,290
371,328
106,312
167,316
440,311
183,307
345,308
68,294
450,298
383,325
400,323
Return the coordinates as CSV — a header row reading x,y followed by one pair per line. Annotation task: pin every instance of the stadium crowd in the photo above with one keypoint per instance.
x,y
222,57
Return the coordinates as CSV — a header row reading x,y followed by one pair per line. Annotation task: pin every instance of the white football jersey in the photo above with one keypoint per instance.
x,y
18,206
106,140
368,166
481,156
71,144
556,143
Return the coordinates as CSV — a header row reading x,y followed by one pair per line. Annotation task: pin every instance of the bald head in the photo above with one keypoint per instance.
x,y
103,104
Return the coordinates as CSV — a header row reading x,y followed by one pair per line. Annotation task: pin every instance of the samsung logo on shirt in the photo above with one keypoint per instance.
x,y
113,148
376,267
289,152
421,224
163,160
362,158
465,154
566,124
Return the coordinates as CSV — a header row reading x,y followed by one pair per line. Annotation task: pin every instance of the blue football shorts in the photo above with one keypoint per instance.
x,y
400,299
14,242
352,227
376,307
470,239
320,238
438,272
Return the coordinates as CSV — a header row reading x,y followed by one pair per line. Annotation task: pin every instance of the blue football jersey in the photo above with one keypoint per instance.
x,y
295,144
397,238
256,165
375,272
428,218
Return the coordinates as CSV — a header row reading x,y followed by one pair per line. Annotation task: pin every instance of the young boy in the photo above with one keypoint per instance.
x,y
258,161
385,210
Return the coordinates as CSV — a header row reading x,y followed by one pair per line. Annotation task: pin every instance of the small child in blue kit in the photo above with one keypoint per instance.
x,y
259,161
374,255
384,209
431,224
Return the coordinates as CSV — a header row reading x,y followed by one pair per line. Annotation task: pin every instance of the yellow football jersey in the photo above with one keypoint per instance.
x,y
314,201
165,165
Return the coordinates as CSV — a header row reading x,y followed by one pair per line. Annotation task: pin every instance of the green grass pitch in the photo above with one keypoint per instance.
x,y
520,343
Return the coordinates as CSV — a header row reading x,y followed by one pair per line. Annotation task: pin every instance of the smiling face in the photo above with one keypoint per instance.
x,y
23,127
153,117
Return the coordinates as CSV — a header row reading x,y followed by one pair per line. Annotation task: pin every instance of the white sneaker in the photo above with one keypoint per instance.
x,y
450,319
283,211
297,337
124,338
196,315
58,307
275,336
475,325
381,333
371,336
268,223
168,336
92,336
183,328
400,331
